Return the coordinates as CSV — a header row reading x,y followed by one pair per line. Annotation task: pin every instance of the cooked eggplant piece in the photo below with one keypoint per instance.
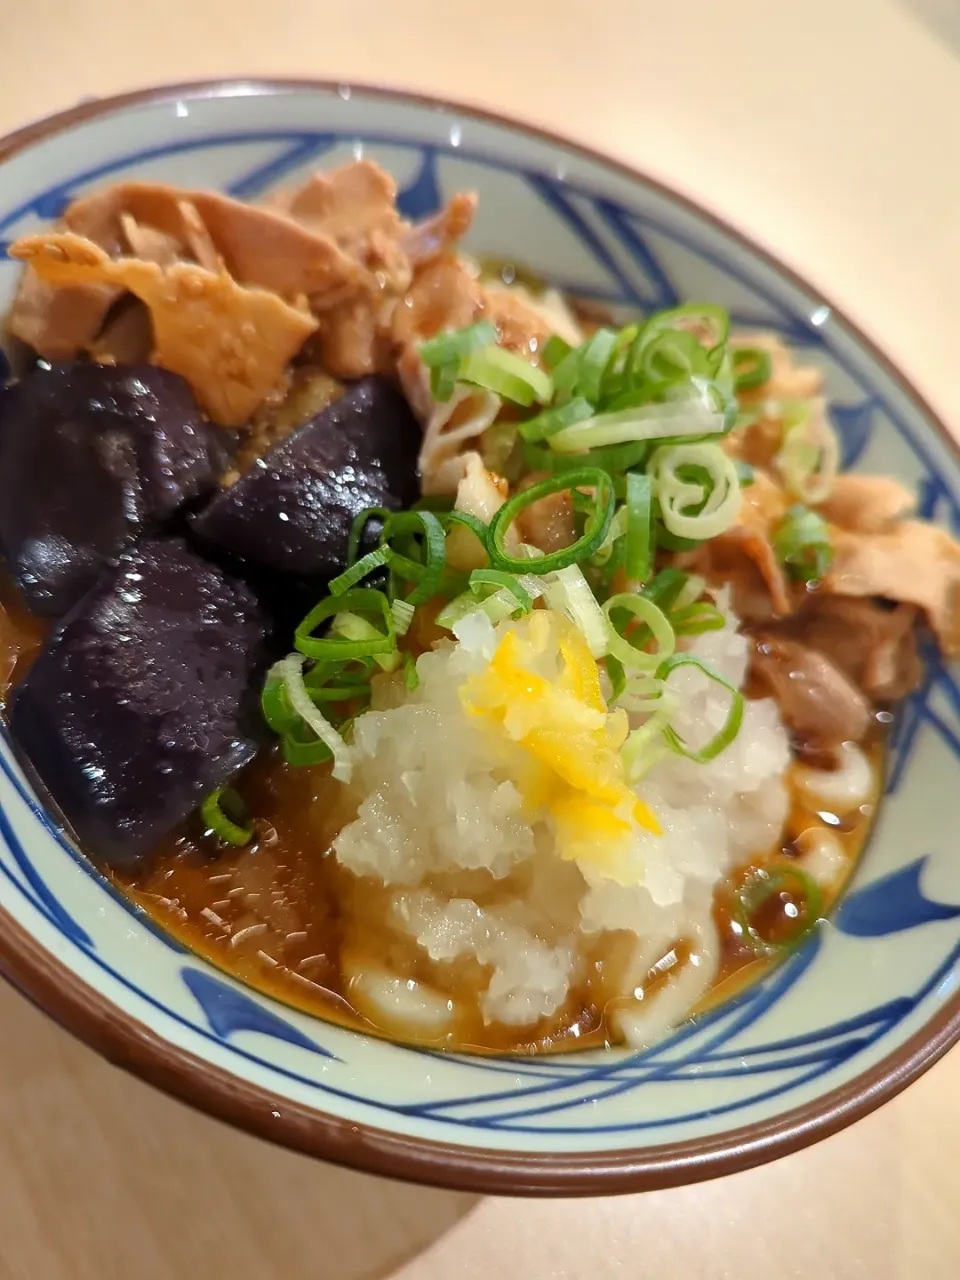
x,y
141,703
92,457
293,509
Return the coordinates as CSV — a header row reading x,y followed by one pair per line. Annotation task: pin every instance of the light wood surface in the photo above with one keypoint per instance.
x,y
831,131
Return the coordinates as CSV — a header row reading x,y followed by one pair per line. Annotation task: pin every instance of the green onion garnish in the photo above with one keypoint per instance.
x,y
671,356
364,601
694,619
225,815
733,721
594,532
496,369
358,528
551,421
802,543
366,564
427,572
403,613
303,749
290,671
614,460
596,356
697,488
640,545
450,348
752,367
555,349
691,416
657,626
480,579
800,898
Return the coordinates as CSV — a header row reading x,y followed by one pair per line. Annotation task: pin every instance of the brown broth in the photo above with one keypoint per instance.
x,y
272,914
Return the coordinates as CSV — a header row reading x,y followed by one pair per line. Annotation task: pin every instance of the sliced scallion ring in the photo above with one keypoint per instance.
x,y
290,670
364,601
225,815
595,528
638,564
451,347
596,356
800,895
752,367
509,375
480,579
803,545
731,726
372,561
697,489
656,625
551,421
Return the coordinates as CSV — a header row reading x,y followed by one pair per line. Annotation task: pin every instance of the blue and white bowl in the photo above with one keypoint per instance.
x,y
851,1018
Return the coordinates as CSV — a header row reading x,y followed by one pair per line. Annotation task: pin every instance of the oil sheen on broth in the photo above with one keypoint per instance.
x,y
272,916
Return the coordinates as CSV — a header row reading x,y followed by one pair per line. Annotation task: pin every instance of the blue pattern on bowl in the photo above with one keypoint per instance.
x,y
740,1047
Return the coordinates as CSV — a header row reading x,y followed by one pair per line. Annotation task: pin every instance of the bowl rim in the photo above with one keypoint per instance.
x,y
123,1040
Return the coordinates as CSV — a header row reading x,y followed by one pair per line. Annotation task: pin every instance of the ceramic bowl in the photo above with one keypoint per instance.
x,y
847,1021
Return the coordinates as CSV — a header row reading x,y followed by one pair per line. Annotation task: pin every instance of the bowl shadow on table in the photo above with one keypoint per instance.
x,y
105,1177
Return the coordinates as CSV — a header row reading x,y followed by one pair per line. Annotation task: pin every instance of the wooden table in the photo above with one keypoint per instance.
x,y
831,131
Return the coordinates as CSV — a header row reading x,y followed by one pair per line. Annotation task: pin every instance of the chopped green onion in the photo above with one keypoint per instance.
x,y
594,532
695,619
366,564
731,726
809,457
639,559
496,369
596,356
657,626
697,489
646,744
708,323
426,573
403,613
358,528
555,350
666,588
303,750
276,709
290,670
614,460
359,600
359,630
553,420
451,347
752,367
411,677
690,592
617,676
483,578
443,382
691,416
799,895
802,543
565,373
673,355
225,815
568,592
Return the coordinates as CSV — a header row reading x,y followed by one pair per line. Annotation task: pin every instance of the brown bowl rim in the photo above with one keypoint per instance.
x,y
124,1041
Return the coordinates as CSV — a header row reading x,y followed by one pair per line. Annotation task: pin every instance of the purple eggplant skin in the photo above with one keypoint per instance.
x,y
293,510
144,700
91,458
